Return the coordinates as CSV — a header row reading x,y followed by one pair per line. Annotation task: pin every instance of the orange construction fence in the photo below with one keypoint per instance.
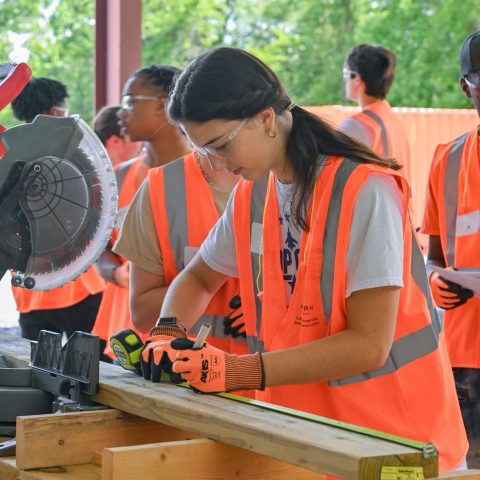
x,y
426,128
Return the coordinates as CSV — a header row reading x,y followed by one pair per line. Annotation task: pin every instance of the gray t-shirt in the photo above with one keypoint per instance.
x,y
375,248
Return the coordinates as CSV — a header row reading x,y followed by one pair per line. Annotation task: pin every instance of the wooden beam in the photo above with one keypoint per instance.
x,y
9,471
301,442
73,438
207,459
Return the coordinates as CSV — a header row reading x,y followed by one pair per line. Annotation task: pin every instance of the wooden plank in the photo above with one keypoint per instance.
x,y
207,459
73,438
9,471
297,441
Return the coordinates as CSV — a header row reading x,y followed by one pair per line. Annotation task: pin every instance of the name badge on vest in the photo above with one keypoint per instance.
x,y
468,224
256,238
188,254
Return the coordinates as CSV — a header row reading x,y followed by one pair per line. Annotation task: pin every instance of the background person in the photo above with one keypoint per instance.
x,y
452,222
340,332
73,306
368,75
107,129
141,118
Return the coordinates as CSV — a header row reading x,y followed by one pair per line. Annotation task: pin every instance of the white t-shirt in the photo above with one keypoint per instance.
x,y
375,248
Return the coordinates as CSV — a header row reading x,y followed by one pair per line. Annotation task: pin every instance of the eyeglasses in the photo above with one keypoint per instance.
x,y
349,73
128,101
209,149
472,79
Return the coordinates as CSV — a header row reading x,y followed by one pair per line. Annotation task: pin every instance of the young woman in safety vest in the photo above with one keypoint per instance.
x,y
141,118
452,222
335,296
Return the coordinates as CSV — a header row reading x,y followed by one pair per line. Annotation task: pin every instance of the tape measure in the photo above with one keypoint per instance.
x,y
127,347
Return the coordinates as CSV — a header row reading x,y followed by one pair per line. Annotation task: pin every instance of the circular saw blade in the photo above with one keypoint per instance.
x,y
70,198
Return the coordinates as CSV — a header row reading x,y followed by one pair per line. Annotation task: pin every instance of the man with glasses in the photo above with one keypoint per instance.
x,y
73,306
452,221
368,75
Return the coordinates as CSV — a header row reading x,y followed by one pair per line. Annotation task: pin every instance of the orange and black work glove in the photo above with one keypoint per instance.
x,y
210,369
158,356
448,295
233,323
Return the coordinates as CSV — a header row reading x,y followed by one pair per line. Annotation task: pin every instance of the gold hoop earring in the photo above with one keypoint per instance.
x,y
271,133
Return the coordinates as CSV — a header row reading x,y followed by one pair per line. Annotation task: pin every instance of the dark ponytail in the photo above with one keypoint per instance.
x,y
231,84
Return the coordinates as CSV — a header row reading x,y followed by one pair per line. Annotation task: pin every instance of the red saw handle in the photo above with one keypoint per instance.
x,y
13,78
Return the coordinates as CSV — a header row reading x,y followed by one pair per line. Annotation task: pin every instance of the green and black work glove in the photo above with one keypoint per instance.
x,y
233,323
158,356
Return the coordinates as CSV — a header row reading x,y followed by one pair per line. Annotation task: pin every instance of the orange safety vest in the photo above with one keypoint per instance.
x,y
114,312
392,398
453,184
389,138
184,212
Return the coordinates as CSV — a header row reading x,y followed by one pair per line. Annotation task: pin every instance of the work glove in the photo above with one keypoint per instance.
x,y
210,369
233,323
448,295
158,356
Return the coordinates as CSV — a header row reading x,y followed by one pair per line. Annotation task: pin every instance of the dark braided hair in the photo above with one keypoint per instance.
x,y
160,76
38,97
231,84
376,65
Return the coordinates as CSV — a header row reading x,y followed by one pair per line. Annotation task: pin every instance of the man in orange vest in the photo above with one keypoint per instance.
x,y
452,221
106,127
368,75
73,306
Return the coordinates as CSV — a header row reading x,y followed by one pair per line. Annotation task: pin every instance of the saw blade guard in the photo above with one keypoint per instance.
x,y
68,198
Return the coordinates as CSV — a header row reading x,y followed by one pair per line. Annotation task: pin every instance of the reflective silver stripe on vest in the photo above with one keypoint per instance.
x,y
450,194
331,232
177,219
383,130
257,206
217,331
413,346
176,207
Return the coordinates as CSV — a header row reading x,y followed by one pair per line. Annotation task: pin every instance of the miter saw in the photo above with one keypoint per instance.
x,y
58,204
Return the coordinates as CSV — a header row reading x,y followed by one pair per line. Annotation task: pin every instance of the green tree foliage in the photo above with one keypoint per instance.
x,y
59,34
305,41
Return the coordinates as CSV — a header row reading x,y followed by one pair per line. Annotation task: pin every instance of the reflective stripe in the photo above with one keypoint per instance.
x,y
450,194
257,206
383,130
176,207
406,349
216,321
331,232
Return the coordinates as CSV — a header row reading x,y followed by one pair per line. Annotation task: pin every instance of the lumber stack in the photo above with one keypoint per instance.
x,y
169,432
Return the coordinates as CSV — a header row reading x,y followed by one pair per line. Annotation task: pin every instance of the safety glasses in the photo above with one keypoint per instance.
x,y
219,151
472,79
128,101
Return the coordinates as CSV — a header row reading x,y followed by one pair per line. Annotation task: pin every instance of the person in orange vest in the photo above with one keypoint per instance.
x,y
73,306
368,75
141,118
335,296
107,129
452,222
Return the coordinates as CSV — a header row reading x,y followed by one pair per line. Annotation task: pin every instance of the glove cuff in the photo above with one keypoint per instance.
x,y
244,372
170,330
